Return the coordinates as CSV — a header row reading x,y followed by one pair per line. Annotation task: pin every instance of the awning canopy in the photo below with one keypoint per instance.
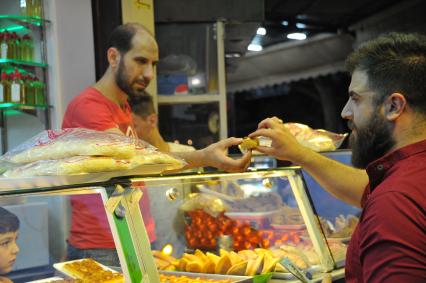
x,y
290,61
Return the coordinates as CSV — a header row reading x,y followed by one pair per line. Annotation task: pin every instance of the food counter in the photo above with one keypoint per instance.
x,y
234,224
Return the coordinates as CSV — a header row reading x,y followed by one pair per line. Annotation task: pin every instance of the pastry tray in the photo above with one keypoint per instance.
x,y
233,278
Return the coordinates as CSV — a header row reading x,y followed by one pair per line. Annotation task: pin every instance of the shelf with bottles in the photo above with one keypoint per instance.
x,y
16,22
19,88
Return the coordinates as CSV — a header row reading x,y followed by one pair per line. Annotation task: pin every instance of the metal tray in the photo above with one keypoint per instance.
x,y
288,276
56,181
233,278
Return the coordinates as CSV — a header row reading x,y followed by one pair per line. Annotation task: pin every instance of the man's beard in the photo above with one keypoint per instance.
x,y
372,142
123,83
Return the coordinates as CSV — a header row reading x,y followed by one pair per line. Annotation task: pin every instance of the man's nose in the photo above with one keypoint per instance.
x,y
148,72
347,111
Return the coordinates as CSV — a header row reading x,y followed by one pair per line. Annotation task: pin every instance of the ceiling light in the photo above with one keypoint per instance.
x,y
300,25
296,35
284,23
261,31
254,47
196,81
233,55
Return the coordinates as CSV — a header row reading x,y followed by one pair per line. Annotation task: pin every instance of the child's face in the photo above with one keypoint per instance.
x,y
8,251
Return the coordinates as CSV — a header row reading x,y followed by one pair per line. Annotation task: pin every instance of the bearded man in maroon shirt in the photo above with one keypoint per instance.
x,y
386,112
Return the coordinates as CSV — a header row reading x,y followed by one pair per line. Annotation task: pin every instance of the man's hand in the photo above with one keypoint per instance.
x,y
215,155
284,145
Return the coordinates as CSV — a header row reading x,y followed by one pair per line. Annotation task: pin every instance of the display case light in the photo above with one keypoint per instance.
x,y
254,47
261,31
296,36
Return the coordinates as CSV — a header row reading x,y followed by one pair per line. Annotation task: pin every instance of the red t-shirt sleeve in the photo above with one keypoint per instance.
x,y
90,114
393,242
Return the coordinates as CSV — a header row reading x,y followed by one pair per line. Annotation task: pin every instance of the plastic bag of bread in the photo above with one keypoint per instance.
x,y
149,155
58,144
68,166
317,140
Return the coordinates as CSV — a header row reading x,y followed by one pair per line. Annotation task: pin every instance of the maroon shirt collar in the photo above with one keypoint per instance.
x,y
377,169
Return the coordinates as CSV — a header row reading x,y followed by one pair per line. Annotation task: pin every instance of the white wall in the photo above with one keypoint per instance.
x,y
70,51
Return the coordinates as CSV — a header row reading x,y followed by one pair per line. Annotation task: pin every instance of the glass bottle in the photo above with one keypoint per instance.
x,y
36,8
29,92
2,94
16,46
3,46
16,86
10,44
24,6
6,87
39,92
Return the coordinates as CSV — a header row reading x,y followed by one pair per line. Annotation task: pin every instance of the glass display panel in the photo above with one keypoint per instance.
x,y
338,219
194,124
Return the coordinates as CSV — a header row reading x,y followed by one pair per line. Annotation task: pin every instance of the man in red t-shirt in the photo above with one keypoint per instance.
x,y
386,111
132,57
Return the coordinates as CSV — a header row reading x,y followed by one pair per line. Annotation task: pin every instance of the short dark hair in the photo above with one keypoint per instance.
x,y
142,105
9,222
394,62
121,37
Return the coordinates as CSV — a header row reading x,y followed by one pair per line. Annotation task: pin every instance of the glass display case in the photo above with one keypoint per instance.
x,y
232,225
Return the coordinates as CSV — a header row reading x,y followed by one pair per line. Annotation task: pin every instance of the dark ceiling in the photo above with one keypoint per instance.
x,y
243,17
318,16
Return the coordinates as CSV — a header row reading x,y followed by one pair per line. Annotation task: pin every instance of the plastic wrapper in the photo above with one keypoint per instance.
x,y
68,166
317,140
210,204
79,151
58,144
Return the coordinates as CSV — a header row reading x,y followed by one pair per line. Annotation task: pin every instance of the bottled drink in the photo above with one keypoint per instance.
x,y
10,45
39,92
3,46
16,41
24,7
28,90
27,48
6,87
16,86
36,8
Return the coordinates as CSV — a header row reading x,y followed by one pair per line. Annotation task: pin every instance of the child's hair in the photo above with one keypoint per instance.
x,y
9,222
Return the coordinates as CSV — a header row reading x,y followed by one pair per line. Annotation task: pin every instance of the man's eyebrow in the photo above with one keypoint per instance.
x,y
353,93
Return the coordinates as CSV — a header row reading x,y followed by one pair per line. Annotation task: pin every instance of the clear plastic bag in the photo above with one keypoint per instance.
x,y
78,151
317,140
209,203
58,144
68,166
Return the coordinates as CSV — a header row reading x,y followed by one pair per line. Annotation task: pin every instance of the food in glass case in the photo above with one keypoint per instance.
x,y
257,203
185,279
90,271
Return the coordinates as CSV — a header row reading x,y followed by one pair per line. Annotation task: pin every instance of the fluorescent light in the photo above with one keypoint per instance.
x,y
254,47
284,23
300,25
296,35
261,31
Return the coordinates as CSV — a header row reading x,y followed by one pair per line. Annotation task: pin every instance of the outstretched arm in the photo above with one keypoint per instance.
x,y
344,182
215,155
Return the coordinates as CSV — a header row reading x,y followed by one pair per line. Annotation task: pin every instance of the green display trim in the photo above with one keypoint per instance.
x,y
22,63
9,105
128,249
25,20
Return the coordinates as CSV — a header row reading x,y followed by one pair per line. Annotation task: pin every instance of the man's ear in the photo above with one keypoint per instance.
x,y
395,105
153,119
114,57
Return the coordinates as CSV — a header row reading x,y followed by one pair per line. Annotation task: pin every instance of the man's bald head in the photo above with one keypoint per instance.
x,y
121,37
